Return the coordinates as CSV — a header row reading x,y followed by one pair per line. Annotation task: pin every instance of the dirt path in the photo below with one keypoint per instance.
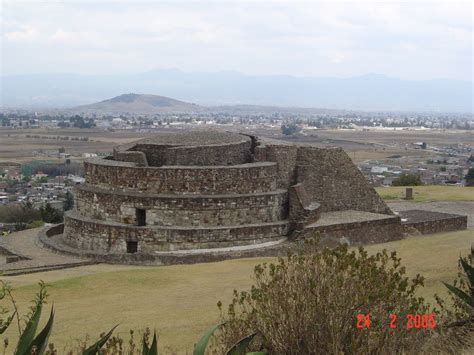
x,y
23,243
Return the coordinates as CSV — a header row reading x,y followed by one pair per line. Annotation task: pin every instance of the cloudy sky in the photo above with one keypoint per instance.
x,y
408,39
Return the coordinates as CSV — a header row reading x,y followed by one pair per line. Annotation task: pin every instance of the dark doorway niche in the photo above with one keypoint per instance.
x,y
141,217
132,246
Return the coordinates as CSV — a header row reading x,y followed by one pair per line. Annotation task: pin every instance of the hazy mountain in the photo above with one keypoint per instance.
x,y
367,92
139,104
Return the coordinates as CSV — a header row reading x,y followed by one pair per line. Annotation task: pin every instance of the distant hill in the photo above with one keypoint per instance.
x,y
366,92
139,104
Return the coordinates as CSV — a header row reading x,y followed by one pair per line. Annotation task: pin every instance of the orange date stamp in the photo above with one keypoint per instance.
x,y
411,321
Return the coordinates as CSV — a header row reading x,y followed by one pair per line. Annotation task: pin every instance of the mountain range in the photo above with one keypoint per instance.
x,y
367,92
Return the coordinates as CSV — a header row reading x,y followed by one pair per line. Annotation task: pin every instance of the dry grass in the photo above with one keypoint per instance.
x,y
180,301
429,193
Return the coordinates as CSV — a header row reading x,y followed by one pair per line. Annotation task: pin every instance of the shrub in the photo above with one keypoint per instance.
x,y
35,224
312,300
50,214
18,213
408,180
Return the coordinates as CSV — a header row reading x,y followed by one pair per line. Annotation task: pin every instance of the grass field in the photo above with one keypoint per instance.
x,y
429,193
180,301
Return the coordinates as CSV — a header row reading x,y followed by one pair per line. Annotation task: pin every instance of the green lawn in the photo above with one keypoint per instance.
x,y
180,301
429,193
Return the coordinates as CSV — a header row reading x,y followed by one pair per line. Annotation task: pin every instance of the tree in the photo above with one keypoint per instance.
x,y
50,214
290,129
470,177
68,203
408,180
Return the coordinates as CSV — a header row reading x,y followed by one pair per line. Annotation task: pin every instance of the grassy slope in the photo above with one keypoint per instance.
x,y
429,193
180,301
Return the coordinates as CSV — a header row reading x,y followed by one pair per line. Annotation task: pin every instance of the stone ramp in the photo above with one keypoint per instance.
x,y
33,258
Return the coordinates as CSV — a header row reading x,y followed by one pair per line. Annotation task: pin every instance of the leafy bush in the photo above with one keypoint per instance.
x,y
290,129
50,214
408,180
19,213
312,300
35,224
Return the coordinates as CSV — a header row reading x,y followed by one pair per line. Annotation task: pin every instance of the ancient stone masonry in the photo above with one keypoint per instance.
x,y
211,191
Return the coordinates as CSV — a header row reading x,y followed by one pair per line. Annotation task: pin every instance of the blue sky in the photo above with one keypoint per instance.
x,y
409,39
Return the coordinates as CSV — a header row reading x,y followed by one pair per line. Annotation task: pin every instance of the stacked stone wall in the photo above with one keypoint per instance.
x,y
155,154
138,158
437,226
358,233
182,210
218,154
285,157
302,210
87,234
245,178
331,178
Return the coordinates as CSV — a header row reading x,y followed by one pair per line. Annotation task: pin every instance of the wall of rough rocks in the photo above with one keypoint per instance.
x,y
284,156
450,224
358,233
331,178
182,210
87,234
204,155
302,211
245,178
138,158
155,154
218,154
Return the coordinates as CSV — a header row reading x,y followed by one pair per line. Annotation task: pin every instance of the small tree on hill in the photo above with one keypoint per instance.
x,y
408,180
290,129
470,177
50,214
68,203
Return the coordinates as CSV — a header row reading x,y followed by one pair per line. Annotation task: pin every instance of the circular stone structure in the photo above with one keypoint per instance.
x,y
179,196
180,191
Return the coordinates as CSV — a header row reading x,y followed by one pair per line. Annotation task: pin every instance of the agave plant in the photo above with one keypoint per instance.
x,y
237,349
153,348
29,343
466,297
94,349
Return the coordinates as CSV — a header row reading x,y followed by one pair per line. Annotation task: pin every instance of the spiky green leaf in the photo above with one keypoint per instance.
x,y
241,345
28,333
145,348
41,340
469,270
153,349
94,349
461,294
201,345
154,346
